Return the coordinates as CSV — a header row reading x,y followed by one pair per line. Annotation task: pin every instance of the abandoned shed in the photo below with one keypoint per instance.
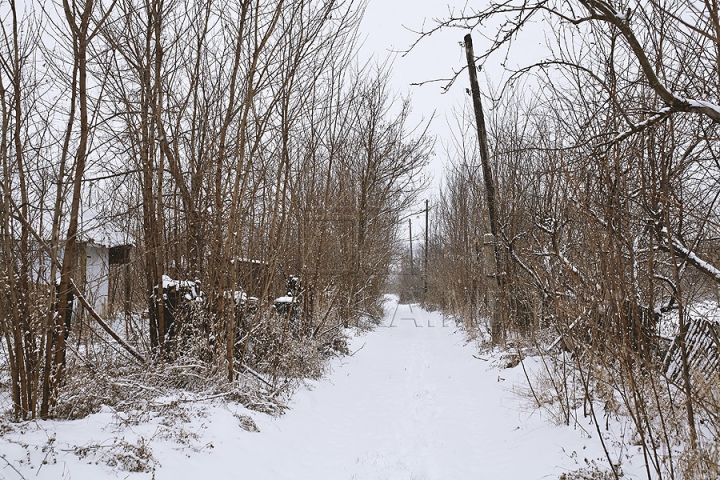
x,y
91,272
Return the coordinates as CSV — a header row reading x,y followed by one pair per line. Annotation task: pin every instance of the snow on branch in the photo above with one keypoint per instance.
x,y
693,259
639,127
605,11
538,281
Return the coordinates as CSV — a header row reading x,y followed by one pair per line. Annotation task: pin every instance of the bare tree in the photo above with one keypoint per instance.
x,y
600,174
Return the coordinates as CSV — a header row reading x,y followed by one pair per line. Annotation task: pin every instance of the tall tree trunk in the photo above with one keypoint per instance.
x,y
11,321
80,32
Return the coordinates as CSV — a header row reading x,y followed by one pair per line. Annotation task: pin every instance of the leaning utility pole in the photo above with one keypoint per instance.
x,y
493,260
425,271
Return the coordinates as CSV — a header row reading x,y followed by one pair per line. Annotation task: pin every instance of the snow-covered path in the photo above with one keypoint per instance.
x,y
413,402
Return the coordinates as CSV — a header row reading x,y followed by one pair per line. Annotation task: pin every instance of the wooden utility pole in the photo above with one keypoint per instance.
x,y
412,272
425,271
497,297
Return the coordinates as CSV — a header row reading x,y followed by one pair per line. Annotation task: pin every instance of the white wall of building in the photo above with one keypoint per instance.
x,y
97,274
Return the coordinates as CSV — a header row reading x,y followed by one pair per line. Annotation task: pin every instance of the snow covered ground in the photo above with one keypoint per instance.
x,y
412,402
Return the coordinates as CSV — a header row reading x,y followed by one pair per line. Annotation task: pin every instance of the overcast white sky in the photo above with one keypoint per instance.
x,y
385,28
384,31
